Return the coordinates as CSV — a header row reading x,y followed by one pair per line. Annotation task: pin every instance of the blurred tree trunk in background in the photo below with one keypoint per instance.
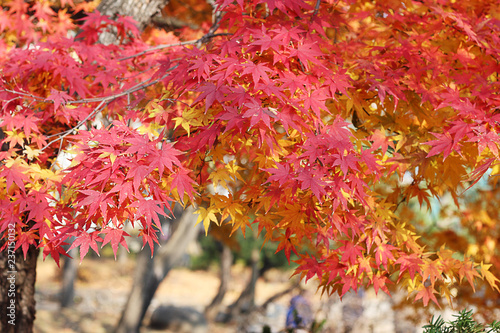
x,y
69,273
151,270
226,260
246,301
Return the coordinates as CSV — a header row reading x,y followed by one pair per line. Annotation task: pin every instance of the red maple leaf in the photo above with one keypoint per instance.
x,y
114,237
281,174
426,294
444,144
350,252
14,175
166,157
311,180
58,98
379,281
183,183
307,52
86,240
258,71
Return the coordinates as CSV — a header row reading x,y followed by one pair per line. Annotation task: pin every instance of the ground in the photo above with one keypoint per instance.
x,y
103,286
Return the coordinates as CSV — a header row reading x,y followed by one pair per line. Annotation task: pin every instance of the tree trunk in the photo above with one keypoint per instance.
x,y
150,272
226,261
69,273
246,301
17,289
141,10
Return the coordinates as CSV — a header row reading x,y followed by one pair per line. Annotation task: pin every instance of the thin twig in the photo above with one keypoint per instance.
x,y
159,47
58,154
64,134
24,94
216,18
316,9
104,102
135,88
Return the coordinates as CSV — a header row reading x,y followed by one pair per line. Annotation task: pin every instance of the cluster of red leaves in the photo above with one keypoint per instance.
x,y
55,90
304,112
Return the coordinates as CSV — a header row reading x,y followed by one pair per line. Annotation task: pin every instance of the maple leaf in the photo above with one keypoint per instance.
x,y
55,250
92,26
125,190
287,244
95,200
486,274
426,294
149,237
211,93
183,183
114,237
311,179
14,173
380,140
430,270
265,41
258,72
257,113
126,25
315,100
307,52
384,254
281,174
148,210
309,266
345,162
59,98
201,67
445,144
379,281
85,240
468,271
410,263
478,173
167,157
207,216
350,252
489,139
25,240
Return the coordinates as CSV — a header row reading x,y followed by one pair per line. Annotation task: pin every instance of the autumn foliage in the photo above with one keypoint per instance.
x,y
316,122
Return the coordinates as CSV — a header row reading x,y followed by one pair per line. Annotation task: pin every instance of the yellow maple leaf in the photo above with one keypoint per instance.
x,y
206,215
220,177
15,138
31,153
492,279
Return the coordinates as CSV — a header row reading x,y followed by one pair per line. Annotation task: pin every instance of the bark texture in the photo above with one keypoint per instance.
x,y
141,10
150,271
17,290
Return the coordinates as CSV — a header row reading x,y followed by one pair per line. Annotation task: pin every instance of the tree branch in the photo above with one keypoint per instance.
x,y
62,135
104,101
159,47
